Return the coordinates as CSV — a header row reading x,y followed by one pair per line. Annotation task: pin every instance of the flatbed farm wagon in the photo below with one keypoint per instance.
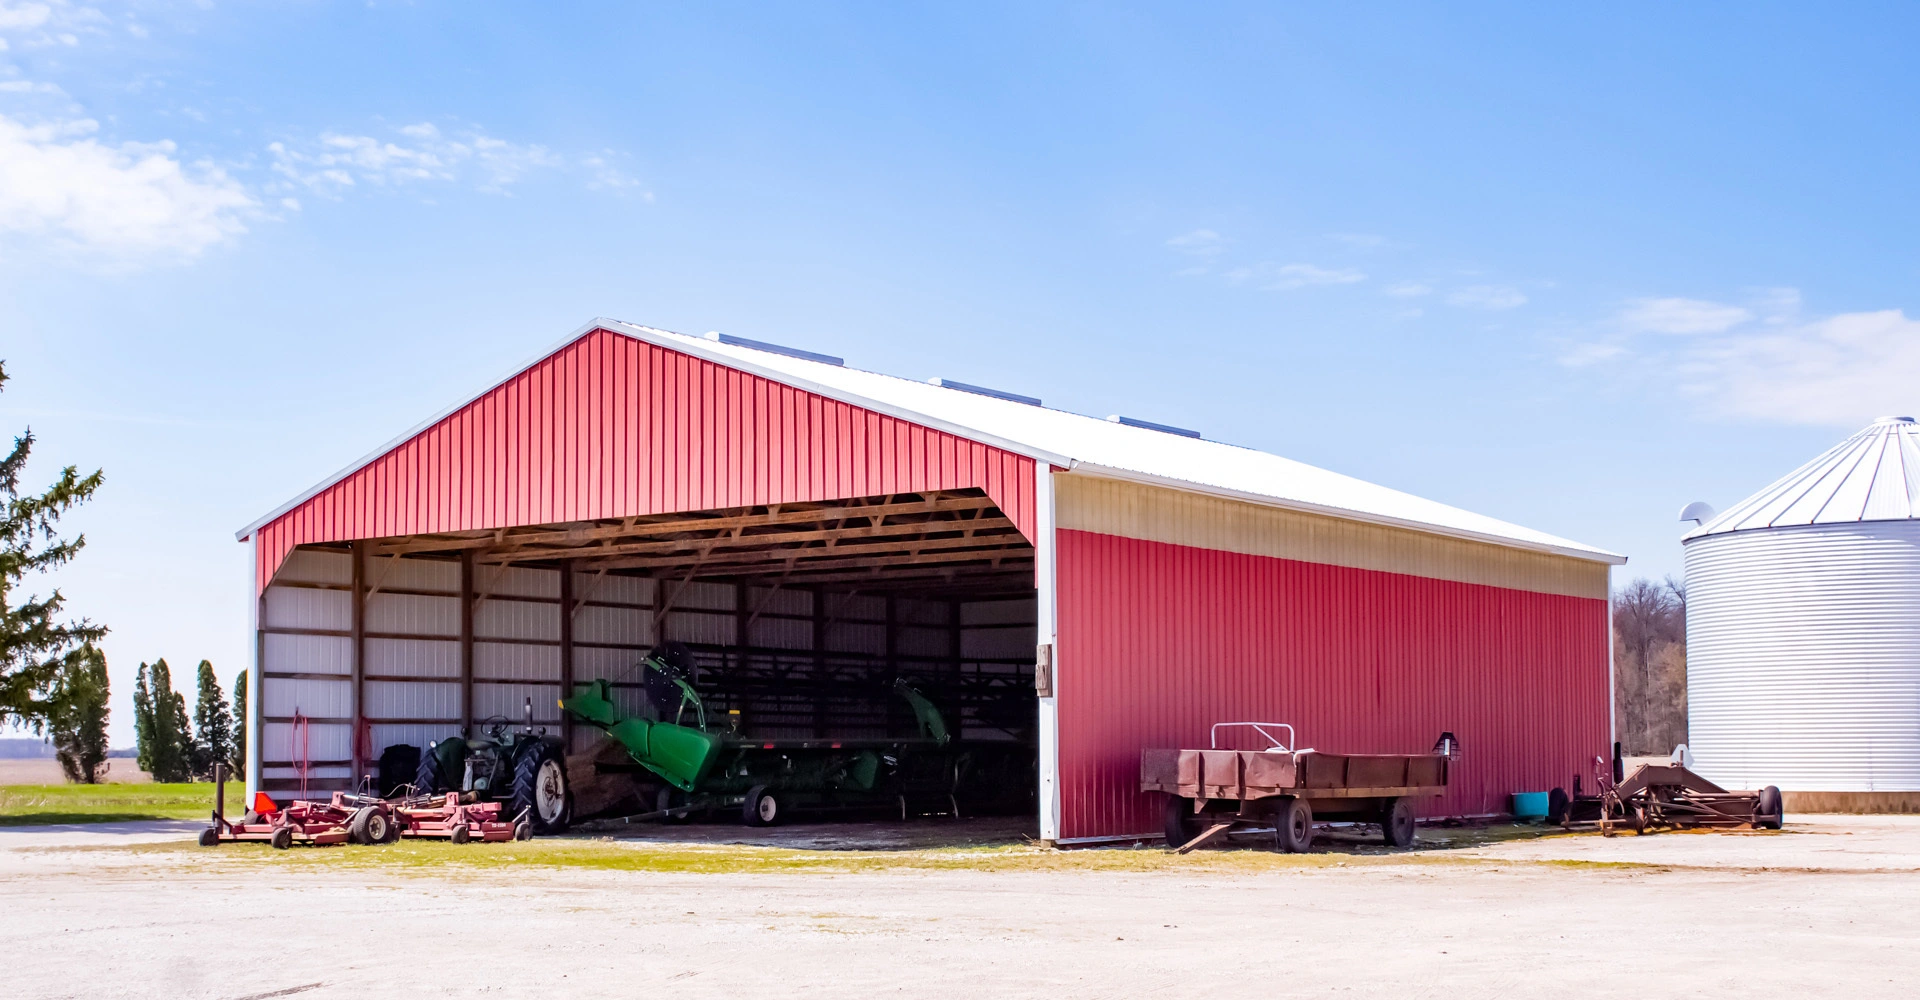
x,y
1210,792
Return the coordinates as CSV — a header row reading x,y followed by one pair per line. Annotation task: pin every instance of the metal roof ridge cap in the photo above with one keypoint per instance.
x,y
1348,513
363,461
854,399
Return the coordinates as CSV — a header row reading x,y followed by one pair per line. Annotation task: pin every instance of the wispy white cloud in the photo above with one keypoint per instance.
x,y
424,154
45,23
1408,290
1198,243
1762,359
1283,277
134,202
1682,316
1841,370
1490,297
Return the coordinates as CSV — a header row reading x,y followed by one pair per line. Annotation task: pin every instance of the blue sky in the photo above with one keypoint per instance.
x,y
1568,267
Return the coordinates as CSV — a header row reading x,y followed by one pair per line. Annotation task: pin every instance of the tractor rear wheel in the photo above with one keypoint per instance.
x,y
540,789
426,777
760,808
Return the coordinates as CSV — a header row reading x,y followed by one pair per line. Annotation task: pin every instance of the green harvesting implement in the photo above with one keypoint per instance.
x,y
708,768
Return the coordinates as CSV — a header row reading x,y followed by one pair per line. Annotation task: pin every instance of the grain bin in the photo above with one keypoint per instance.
x,y
1803,629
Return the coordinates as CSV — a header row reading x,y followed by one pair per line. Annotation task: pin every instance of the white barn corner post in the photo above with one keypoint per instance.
x,y
1046,633
256,691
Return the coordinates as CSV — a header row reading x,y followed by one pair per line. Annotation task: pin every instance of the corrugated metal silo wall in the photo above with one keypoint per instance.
x,y
1803,657
610,426
1159,641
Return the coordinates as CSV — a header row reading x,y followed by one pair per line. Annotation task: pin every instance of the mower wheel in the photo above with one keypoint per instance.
x,y
761,808
1181,824
370,825
541,791
1396,822
1293,829
282,838
459,833
209,837
523,830
1771,810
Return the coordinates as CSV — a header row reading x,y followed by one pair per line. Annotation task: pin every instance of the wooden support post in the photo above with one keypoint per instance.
x,y
952,695
566,650
819,664
358,602
892,648
742,629
466,644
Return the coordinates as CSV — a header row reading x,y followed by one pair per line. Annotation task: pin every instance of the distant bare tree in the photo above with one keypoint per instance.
x,y
1650,665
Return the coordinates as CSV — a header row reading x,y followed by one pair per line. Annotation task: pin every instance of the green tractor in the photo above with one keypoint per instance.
x,y
527,769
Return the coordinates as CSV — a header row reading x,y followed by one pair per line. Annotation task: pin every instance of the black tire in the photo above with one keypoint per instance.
x,y
209,837
668,798
523,830
761,808
1396,822
1293,828
459,834
426,777
1181,824
370,825
541,791
1771,810
282,838
1557,806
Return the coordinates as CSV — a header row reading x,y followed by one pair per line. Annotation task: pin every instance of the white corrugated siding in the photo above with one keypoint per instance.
x,y
1803,657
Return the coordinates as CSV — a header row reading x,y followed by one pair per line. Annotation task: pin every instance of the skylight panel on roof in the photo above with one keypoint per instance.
x,y
1011,397
761,345
1151,426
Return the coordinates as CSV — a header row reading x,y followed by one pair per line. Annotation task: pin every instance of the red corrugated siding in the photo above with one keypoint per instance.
x,y
610,426
1157,642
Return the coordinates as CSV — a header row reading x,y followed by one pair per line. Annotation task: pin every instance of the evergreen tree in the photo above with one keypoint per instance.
x,y
34,636
212,724
240,723
145,737
78,720
169,753
182,742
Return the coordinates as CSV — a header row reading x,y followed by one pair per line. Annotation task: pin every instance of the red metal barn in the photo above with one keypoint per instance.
x,y
814,531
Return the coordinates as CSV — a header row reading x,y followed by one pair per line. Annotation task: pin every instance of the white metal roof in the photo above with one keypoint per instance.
x,y
1872,476
1081,443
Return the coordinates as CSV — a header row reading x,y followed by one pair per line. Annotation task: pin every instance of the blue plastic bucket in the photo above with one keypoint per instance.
x,y
1530,805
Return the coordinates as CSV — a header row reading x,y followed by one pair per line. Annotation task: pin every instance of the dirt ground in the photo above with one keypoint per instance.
x,y
1822,909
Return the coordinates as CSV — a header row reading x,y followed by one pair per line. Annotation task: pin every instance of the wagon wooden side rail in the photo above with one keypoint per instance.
x,y
1210,792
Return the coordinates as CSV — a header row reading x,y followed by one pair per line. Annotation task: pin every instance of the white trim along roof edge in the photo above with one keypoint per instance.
x,y
707,351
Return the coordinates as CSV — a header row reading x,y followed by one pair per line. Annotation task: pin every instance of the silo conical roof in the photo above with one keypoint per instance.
x,y
1872,476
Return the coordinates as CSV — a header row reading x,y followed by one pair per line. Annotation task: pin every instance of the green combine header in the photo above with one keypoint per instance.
x,y
708,768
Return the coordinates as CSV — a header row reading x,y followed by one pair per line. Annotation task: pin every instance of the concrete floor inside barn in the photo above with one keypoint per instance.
x,y
888,909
